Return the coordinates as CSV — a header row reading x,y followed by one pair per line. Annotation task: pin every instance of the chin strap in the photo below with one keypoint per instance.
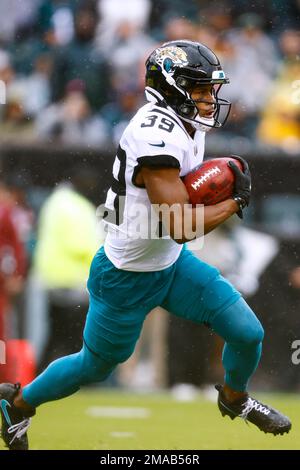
x,y
202,124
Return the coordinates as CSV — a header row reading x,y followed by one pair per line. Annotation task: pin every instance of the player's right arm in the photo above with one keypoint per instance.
x,y
165,189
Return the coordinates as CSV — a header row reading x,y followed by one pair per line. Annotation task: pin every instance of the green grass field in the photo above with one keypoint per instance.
x,y
157,422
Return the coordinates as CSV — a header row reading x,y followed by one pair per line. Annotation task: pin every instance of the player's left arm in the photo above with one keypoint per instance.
x,y
165,188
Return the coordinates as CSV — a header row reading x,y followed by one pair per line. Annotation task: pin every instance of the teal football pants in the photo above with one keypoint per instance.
x,y
119,303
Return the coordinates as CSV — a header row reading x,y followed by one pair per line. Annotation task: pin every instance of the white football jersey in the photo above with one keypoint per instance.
x,y
155,137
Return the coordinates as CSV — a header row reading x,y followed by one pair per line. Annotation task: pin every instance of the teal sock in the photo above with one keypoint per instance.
x,y
243,334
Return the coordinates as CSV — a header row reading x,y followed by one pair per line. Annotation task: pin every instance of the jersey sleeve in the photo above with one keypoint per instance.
x,y
159,141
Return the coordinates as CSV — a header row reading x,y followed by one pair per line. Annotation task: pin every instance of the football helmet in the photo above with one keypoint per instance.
x,y
175,69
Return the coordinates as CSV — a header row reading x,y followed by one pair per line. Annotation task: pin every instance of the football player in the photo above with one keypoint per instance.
x,y
132,274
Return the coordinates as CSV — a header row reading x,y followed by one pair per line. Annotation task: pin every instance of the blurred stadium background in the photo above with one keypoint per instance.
x,y
74,76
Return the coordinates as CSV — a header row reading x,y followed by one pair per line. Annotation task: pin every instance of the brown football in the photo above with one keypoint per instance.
x,y
212,181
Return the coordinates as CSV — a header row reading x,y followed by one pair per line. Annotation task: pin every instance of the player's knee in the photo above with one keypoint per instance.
x,y
253,333
97,372
94,368
248,326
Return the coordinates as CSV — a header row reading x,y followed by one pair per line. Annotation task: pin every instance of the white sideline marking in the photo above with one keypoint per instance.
x,y
122,434
117,412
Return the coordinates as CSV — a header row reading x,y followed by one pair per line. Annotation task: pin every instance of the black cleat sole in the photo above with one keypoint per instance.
x,y
275,433
266,419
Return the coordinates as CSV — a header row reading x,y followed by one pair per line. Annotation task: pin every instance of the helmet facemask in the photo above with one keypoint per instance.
x,y
188,110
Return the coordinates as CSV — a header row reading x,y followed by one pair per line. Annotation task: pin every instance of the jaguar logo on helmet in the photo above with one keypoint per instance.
x,y
166,57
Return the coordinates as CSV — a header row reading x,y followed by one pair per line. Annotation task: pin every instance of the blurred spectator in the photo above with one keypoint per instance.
x,y
118,113
180,28
122,37
66,237
14,14
217,15
65,246
56,20
249,58
24,96
12,258
23,217
165,10
71,120
113,15
129,47
295,278
80,60
275,14
38,85
25,50
280,124
94,40
15,121
32,92
7,72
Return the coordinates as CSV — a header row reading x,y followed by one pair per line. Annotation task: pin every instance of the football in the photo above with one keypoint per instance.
x,y
211,182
